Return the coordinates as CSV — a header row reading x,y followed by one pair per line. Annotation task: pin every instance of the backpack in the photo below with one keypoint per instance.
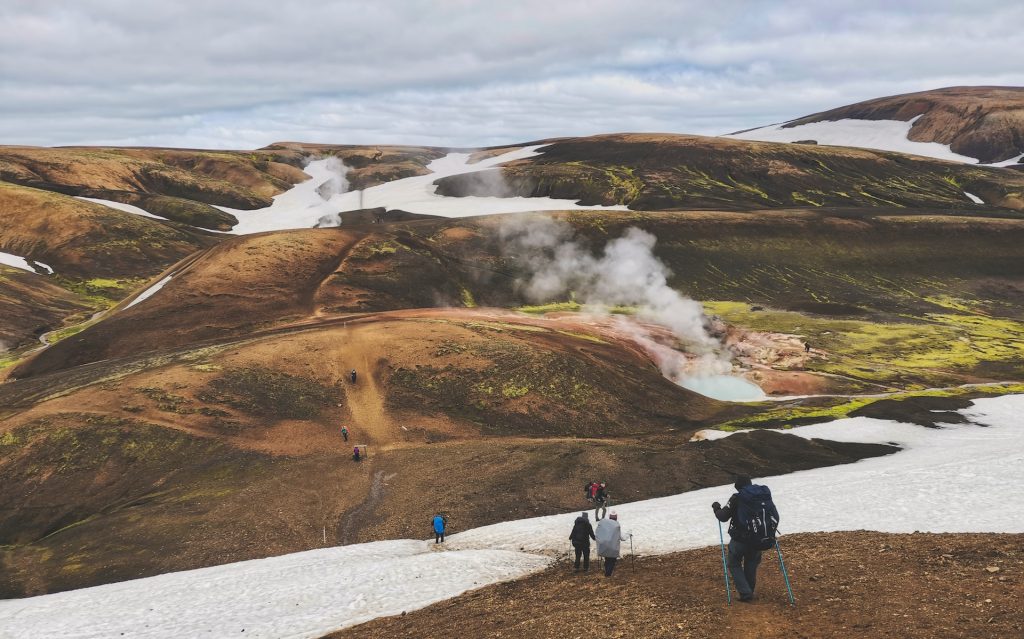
x,y
756,518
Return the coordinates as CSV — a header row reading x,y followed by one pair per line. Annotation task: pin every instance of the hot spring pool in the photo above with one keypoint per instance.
x,y
724,387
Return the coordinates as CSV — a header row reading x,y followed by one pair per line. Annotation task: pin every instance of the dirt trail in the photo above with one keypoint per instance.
x,y
364,399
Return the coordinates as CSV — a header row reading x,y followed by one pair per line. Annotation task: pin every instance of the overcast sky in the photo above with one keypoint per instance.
x,y
214,74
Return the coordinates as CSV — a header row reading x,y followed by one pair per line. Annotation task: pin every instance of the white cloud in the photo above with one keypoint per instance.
x,y
470,73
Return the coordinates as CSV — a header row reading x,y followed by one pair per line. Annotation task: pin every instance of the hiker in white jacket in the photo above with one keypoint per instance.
x,y
609,534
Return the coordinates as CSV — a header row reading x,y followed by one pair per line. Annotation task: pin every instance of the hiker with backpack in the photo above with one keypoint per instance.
x,y
608,536
602,500
344,433
352,376
582,533
355,454
440,525
753,520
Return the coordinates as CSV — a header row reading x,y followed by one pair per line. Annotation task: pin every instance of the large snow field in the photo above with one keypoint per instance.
x,y
17,261
885,135
959,478
304,594
302,206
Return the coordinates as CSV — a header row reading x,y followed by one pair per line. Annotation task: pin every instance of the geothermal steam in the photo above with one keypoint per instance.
x,y
336,184
625,273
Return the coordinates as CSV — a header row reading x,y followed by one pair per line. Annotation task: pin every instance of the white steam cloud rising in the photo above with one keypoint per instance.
x,y
625,273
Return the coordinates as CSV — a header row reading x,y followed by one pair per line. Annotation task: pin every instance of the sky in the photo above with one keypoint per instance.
x,y
217,74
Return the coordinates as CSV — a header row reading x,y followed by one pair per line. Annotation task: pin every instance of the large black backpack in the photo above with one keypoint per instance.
x,y
756,517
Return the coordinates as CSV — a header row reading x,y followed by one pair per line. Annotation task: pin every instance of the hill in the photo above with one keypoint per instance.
x,y
167,453
840,278
668,171
981,123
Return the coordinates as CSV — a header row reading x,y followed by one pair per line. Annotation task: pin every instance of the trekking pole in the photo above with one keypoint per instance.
x,y
782,564
725,570
632,555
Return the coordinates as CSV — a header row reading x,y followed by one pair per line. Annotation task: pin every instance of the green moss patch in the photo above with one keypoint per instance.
x,y
259,391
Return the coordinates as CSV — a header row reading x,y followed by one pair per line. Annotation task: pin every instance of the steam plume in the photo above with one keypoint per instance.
x,y
625,273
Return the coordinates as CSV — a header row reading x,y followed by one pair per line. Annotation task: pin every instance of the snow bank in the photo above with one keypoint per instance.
x,y
127,208
17,261
974,198
303,205
149,292
885,135
956,479
305,594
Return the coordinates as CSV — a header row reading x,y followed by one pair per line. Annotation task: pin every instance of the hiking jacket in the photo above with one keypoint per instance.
x,y
609,534
582,532
727,512
439,524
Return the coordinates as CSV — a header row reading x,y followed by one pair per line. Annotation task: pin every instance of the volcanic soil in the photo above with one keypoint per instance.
x,y
858,584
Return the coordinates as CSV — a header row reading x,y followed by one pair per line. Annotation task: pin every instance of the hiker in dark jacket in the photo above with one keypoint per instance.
x,y
352,376
582,533
744,557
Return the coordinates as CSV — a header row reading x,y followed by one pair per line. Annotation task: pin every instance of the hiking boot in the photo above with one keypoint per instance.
x,y
747,598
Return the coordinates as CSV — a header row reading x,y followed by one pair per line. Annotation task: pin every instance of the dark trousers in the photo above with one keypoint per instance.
x,y
609,565
743,562
582,551
438,537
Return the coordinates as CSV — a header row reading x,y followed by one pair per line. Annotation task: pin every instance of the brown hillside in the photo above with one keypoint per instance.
x,y
32,305
981,122
860,584
168,453
84,240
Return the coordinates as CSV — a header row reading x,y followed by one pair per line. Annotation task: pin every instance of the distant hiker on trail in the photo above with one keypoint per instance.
x,y
440,525
807,347
582,533
355,454
352,376
609,534
344,433
752,518
602,500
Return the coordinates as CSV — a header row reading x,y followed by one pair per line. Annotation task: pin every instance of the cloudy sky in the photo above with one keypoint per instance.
x,y
218,74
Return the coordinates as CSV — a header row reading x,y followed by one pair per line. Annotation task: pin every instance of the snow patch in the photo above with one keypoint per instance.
x,y
307,594
149,292
304,205
884,135
24,264
974,198
120,206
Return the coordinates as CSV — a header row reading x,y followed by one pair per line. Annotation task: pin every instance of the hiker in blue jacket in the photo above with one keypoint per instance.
x,y
744,553
440,524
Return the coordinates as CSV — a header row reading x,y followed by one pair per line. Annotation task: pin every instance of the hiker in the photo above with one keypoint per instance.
x,y
352,376
608,536
440,524
355,454
602,499
807,347
582,533
752,518
344,433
